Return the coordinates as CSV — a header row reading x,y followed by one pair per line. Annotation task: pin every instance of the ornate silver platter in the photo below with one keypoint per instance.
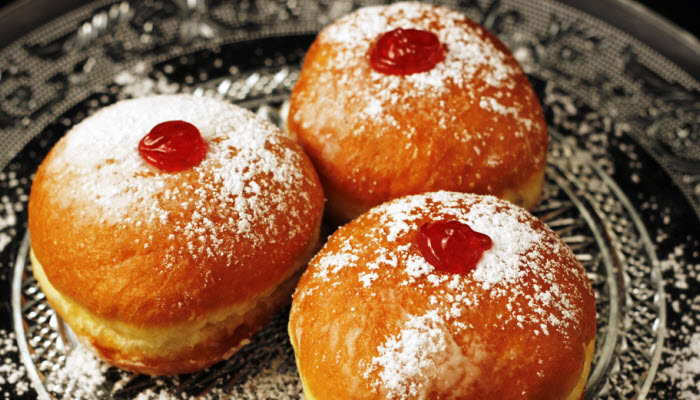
x,y
623,184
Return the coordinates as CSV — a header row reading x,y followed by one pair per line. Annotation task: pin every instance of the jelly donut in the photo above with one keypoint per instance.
x,y
444,295
410,98
166,230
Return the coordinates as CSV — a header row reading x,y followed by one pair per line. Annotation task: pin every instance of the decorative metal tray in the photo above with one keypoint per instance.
x,y
623,179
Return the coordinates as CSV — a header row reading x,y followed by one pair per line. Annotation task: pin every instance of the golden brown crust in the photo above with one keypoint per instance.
x,y
83,251
148,249
181,348
576,394
342,208
374,137
371,320
120,269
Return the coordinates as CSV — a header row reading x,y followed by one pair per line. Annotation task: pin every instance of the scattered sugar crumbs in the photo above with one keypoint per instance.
x,y
13,375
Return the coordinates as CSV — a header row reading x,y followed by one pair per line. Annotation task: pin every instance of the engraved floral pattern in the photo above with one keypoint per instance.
x,y
634,115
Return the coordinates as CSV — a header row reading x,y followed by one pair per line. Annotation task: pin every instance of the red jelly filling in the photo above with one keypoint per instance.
x,y
452,246
173,146
406,51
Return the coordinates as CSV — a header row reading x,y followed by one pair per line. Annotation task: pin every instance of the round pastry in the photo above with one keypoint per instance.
x,y
444,295
166,230
410,98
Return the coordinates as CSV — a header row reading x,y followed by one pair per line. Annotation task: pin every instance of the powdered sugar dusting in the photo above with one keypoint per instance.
x,y
422,358
81,376
13,375
466,54
684,369
468,57
541,298
491,104
414,118
102,164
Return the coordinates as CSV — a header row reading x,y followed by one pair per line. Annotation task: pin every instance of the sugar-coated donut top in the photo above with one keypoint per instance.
x,y
254,186
100,155
468,57
516,253
472,123
527,287
467,54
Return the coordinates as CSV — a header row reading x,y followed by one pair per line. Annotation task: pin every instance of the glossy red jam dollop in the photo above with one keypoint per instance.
x,y
406,51
452,246
173,146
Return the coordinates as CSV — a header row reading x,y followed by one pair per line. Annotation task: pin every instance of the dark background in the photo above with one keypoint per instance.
x,y
658,29
680,12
